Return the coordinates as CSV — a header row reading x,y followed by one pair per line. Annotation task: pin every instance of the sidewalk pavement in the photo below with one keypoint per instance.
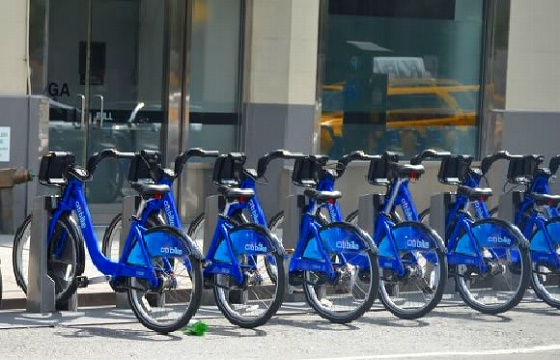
x,y
14,298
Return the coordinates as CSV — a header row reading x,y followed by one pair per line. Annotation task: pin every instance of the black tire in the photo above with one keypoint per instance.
x,y
182,295
65,261
352,218
110,245
20,253
420,290
424,216
508,285
545,276
254,302
353,292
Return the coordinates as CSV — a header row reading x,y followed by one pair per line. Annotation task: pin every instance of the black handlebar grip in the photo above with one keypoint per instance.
x,y
194,152
263,162
107,153
554,163
429,154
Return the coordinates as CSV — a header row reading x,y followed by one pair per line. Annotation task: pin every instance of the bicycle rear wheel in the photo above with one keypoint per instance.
x,y
505,252
20,253
254,301
352,292
174,302
420,251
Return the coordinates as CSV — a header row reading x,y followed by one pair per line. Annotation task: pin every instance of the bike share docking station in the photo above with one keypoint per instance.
x,y
440,205
41,287
294,206
509,204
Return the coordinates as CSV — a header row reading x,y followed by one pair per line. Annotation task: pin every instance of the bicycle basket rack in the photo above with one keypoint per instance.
x,y
228,169
454,169
306,170
520,170
53,166
139,170
380,170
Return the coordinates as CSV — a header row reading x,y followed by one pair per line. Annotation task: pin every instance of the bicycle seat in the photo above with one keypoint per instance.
x,y
151,191
408,170
545,199
322,196
474,193
232,194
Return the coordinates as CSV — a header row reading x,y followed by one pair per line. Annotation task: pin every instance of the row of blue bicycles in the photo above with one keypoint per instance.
x,y
339,267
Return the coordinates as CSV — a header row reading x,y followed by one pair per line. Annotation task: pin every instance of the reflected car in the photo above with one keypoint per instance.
x,y
410,104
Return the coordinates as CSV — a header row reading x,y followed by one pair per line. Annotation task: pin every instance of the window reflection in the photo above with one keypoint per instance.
x,y
401,75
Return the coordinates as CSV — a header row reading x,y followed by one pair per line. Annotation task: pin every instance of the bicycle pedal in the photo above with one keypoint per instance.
x,y
295,278
84,281
207,283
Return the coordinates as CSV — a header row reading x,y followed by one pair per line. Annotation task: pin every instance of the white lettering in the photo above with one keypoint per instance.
x,y
256,247
351,245
418,243
499,239
171,251
169,213
81,215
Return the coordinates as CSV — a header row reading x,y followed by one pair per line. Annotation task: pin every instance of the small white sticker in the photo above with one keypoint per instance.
x,y
5,143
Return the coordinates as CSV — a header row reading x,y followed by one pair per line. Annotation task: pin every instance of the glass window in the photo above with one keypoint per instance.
x,y
401,75
214,74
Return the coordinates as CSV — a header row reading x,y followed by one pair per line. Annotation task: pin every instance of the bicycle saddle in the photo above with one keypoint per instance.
x,y
545,199
322,196
151,191
474,193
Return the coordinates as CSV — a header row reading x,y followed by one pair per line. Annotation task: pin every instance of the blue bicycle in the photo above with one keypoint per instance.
x,y
341,295
234,266
160,268
411,255
334,262
538,218
488,257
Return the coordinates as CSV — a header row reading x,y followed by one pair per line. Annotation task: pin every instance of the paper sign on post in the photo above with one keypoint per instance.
x,y
4,143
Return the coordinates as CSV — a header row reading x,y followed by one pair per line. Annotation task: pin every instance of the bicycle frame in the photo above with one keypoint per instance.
x,y
73,199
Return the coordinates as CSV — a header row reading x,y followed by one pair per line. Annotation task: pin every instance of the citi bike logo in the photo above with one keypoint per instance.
x,y
418,243
406,209
256,247
169,213
499,240
171,250
253,209
351,245
81,215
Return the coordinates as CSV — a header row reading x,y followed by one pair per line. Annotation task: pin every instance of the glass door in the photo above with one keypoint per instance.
x,y
109,74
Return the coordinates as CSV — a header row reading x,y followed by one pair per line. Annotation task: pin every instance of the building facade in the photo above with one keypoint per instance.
x,y
316,76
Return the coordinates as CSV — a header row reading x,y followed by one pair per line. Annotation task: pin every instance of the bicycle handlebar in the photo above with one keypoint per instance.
x,y
107,153
429,154
488,160
181,160
276,154
353,156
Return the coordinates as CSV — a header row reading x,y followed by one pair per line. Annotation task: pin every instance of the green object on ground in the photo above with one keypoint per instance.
x,y
197,329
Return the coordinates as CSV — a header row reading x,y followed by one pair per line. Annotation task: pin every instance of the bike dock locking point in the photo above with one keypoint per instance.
x,y
40,292
508,205
293,211
368,208
439,208
129,206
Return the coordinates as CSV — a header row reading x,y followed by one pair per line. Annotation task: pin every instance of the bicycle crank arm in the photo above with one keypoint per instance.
x,y
84,281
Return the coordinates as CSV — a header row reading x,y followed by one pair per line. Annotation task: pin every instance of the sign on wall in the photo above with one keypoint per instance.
x,y
4,143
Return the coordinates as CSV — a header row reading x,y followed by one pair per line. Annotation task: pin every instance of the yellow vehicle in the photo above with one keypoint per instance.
x,y
410,104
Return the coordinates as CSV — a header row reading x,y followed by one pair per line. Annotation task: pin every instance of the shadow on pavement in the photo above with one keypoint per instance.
x,y
470,315
319,324
94,331
393,321
234,331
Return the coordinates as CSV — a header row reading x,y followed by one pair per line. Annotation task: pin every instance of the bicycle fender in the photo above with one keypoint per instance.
x,y
255,233
169,241
432,240
495,232
346,235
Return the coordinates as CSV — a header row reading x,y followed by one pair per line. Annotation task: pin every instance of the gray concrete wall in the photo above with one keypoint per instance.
x,y
27,118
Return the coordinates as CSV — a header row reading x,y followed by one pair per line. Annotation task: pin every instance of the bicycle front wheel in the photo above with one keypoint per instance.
x,y
254,300
353,289
505,256
169,306
416,290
